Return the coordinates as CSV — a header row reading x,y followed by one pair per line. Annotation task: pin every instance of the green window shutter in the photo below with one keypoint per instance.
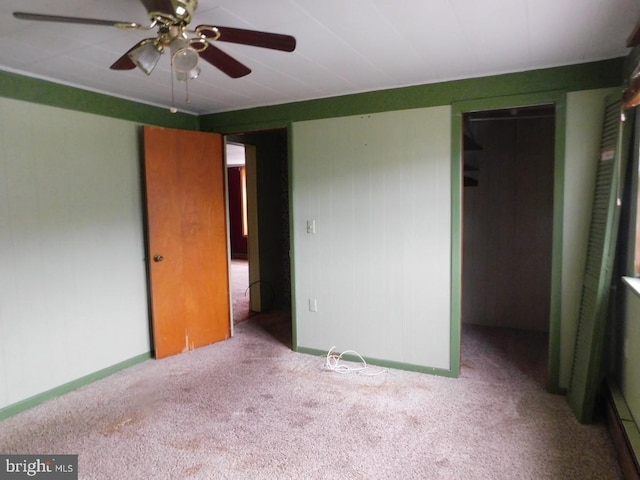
x,y
587,369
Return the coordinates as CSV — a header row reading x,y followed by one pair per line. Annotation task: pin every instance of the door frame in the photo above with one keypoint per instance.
x,y
458,109
259,300
253,240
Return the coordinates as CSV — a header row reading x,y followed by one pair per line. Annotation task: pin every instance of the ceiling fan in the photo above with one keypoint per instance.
x,y
187,46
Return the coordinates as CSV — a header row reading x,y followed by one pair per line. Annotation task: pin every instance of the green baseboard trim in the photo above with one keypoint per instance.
x,y
23,405
383,363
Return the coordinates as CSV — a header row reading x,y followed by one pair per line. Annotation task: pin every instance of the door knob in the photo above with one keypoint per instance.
x,y
158,258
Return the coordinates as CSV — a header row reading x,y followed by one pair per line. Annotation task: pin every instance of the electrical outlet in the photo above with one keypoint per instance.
x,y
313,305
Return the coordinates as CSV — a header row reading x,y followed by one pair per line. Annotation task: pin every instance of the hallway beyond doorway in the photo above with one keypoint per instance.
x,y
239,273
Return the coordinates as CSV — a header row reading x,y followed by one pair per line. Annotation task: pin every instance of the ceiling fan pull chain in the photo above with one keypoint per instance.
x,y
173,108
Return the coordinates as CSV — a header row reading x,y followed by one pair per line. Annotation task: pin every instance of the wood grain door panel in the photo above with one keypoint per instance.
x,y
187,239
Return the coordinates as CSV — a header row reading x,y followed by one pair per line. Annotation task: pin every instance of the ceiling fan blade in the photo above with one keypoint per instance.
x,y
159,6
254,38
58,18
224,62
125,62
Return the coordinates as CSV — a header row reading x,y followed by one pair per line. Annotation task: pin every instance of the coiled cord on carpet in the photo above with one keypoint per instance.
x,y
333,363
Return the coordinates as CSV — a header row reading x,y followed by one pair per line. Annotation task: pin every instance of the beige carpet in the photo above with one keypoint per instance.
x,y
251,408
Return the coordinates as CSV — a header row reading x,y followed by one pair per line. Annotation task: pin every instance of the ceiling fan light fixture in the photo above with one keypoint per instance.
x,y
183,56
190,75
187,45
146,56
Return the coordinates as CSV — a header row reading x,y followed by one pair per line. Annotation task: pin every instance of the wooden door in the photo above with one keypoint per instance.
x,y
187,239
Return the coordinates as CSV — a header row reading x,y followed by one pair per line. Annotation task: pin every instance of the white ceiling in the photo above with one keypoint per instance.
x,y
344,46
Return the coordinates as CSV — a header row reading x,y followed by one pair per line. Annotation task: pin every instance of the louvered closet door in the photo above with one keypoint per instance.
x,y
587,361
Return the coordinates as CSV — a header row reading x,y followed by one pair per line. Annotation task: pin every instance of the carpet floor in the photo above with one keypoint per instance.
x,y
239,284
251,408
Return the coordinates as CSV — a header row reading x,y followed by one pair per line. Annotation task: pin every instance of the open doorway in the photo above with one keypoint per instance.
x,y
261,261
508,236
236,163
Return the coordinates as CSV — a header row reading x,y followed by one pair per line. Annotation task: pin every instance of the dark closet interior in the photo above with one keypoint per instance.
x,y
508,217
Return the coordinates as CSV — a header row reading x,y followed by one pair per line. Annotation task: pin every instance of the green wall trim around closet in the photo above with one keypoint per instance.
x,y
559,100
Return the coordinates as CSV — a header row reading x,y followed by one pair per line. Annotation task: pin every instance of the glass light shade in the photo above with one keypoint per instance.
x,y
146,56
183,56
190,75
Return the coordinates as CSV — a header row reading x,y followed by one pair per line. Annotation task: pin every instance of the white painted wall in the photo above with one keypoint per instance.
x,y
585,112
379,190
72,281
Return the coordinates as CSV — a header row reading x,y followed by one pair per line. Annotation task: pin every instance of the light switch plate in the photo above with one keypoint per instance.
x,y
311,226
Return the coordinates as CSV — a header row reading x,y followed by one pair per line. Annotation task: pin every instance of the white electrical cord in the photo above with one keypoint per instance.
x,y
333,363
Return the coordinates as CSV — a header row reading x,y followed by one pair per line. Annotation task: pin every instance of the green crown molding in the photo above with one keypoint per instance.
x,y
20,87
602,74
586,76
